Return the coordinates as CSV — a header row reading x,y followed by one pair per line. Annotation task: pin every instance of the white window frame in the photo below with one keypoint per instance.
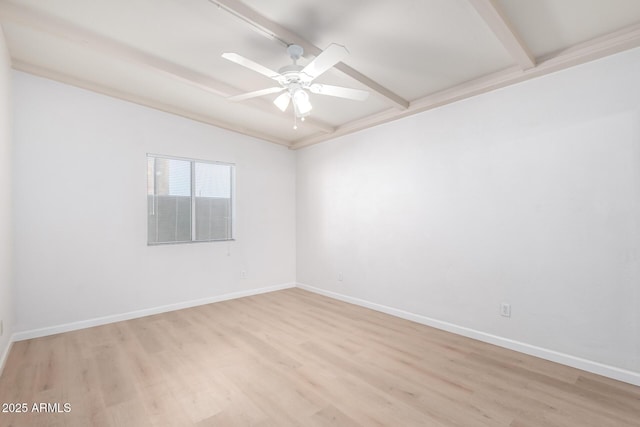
x,y
232,207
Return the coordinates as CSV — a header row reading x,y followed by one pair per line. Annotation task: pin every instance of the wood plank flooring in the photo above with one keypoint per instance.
x,y
293,358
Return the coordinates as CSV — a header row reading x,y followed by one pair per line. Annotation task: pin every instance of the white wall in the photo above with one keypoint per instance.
x,y
6,301
528,195
80,209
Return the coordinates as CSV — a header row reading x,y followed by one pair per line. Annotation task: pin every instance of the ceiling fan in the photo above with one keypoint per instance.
x,y
295,80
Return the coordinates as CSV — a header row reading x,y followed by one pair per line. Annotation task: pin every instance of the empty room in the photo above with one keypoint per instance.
x,y
303,213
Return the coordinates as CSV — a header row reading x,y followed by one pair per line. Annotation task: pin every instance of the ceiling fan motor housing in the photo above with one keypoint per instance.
x,y
291,73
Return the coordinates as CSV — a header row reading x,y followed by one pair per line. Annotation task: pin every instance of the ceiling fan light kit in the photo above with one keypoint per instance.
x,y
297,80
301,102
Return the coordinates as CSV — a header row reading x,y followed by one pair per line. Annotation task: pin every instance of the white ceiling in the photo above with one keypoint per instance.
x,y
411,55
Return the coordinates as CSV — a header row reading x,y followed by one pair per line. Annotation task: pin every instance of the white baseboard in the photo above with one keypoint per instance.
x,y
543,353
97,321
5,354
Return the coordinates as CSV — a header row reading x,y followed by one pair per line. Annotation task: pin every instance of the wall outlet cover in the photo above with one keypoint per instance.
x,y
505,309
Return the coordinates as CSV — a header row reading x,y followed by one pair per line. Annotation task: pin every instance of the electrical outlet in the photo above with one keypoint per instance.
x,y
243,274
505,309
340,277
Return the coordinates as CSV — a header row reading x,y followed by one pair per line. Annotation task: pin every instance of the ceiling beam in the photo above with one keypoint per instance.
x,y
502,28
276,32
618,41
120,51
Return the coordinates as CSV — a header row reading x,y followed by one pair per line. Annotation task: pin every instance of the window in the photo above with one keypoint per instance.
x,y
188,200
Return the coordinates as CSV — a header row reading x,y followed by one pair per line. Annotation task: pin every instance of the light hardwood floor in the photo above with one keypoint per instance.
x,y
295,358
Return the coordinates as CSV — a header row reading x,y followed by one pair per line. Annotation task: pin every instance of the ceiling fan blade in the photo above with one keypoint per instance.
x,y
327,59
247,63
255,94
282,101
340,92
